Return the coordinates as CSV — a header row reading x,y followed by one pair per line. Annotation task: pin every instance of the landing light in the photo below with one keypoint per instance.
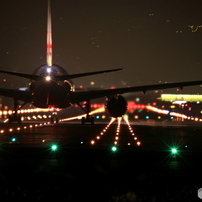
x,y
48,78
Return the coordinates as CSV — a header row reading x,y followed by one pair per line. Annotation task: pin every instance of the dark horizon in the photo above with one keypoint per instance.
x,y
153,41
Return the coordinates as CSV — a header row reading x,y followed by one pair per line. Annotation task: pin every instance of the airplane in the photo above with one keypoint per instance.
x,y
51,87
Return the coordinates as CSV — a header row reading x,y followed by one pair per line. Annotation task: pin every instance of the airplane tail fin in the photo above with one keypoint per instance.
x,y
49,37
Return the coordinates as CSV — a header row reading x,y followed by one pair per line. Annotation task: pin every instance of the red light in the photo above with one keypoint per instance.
x,y
52,107
112,87
4,80
80,86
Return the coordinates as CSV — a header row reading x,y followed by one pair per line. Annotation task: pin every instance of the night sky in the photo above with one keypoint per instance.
x,y
153,40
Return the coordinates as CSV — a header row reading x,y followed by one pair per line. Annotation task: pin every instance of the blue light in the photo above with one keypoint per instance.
x,y
13,139
23,88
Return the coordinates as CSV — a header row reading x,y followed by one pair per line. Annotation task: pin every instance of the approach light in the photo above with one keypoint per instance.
x,y
48,78
54,147
174,151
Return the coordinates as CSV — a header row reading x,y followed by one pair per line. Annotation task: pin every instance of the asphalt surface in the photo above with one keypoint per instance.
x,y
79,170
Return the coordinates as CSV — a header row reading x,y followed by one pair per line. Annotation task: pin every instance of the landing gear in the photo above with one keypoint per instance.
x,y
15,117
54,117
88,117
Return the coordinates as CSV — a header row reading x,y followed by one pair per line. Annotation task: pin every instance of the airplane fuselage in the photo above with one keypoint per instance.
x,y
47,92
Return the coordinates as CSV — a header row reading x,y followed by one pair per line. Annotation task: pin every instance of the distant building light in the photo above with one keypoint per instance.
x,y
181,98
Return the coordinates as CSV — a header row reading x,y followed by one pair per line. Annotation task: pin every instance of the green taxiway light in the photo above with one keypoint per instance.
x,y
54,147
114,148
174,151
13,139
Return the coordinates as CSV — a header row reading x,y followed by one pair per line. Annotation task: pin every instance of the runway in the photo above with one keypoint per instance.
x,y
77,165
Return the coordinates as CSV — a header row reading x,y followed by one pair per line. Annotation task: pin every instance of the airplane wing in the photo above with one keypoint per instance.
x,y
16,94
73,76
28,76
76,97
59,78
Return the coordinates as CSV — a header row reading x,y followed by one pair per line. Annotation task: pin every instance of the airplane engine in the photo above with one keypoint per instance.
x,y
116,106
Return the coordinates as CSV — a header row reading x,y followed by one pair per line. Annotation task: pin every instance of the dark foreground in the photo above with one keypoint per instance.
x,y
32,172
